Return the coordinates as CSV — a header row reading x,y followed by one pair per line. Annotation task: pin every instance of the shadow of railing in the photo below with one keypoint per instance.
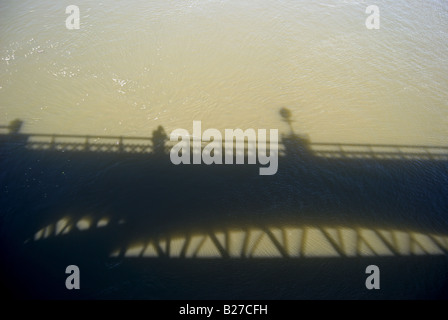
x,y
380,151
146,145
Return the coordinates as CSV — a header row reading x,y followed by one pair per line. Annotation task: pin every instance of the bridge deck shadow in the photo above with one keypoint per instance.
x,y
135,186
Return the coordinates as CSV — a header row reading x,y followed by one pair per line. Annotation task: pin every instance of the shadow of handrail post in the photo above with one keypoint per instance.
x,y
86,144
120,144
53,142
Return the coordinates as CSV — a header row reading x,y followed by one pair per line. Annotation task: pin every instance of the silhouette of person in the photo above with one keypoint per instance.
x,y
15,126
14,132
159,139
286,115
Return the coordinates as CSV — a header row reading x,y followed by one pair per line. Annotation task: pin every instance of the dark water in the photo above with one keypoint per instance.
x,y
142,197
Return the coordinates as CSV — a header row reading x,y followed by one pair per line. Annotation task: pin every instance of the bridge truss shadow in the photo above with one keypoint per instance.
x,y
140,227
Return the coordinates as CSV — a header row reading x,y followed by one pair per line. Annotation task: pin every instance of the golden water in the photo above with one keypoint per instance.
x,y
135,65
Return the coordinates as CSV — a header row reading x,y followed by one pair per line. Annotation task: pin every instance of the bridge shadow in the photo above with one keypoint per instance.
x,y
77,199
